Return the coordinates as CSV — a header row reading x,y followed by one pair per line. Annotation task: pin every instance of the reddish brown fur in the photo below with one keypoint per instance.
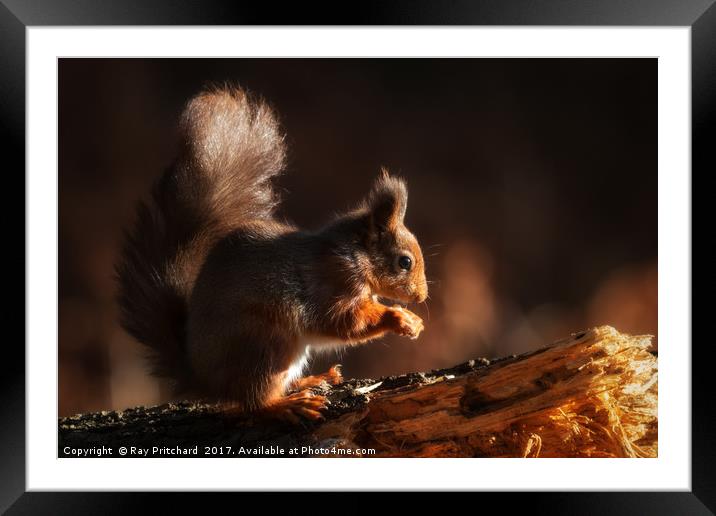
x,y
226,297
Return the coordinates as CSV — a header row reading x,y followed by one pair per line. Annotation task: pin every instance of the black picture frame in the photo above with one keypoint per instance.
x,y
17,15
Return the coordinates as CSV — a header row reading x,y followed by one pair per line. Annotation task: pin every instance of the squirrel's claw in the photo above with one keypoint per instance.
x,y
331,377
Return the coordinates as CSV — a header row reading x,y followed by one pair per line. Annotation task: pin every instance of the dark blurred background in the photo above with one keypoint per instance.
x,y
533,192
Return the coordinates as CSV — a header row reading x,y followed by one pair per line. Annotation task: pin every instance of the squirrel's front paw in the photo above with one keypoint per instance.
x,y
407,324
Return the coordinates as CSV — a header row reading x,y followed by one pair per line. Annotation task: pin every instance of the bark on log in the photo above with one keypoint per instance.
x,y
591,395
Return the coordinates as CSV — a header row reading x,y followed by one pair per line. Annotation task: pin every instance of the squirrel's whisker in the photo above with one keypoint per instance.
x,y
427,308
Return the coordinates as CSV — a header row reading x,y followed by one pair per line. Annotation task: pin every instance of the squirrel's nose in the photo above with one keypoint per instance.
x,y
421,293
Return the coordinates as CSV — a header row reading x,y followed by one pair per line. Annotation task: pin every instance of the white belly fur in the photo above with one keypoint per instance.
x,y
296,370
319,342
310,343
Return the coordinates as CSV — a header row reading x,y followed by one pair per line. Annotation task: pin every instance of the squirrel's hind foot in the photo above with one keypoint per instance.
x,y
296,407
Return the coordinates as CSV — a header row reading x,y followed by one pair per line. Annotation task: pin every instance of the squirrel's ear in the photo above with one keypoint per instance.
x,y
387,201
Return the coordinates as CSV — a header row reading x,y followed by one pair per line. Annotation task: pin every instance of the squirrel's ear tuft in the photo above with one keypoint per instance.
x,y
387,201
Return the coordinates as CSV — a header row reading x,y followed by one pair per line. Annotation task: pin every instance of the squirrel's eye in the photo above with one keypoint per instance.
x,y
405,263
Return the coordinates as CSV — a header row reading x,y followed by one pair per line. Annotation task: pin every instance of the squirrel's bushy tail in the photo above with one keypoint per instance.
x,y
231,148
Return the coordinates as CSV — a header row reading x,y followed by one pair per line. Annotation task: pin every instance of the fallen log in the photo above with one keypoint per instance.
x,y
591,395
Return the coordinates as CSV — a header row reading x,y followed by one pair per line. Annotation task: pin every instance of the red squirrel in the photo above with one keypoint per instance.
x,y
228,299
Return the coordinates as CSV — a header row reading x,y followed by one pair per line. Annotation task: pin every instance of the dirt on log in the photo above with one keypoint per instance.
x,y
591,395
